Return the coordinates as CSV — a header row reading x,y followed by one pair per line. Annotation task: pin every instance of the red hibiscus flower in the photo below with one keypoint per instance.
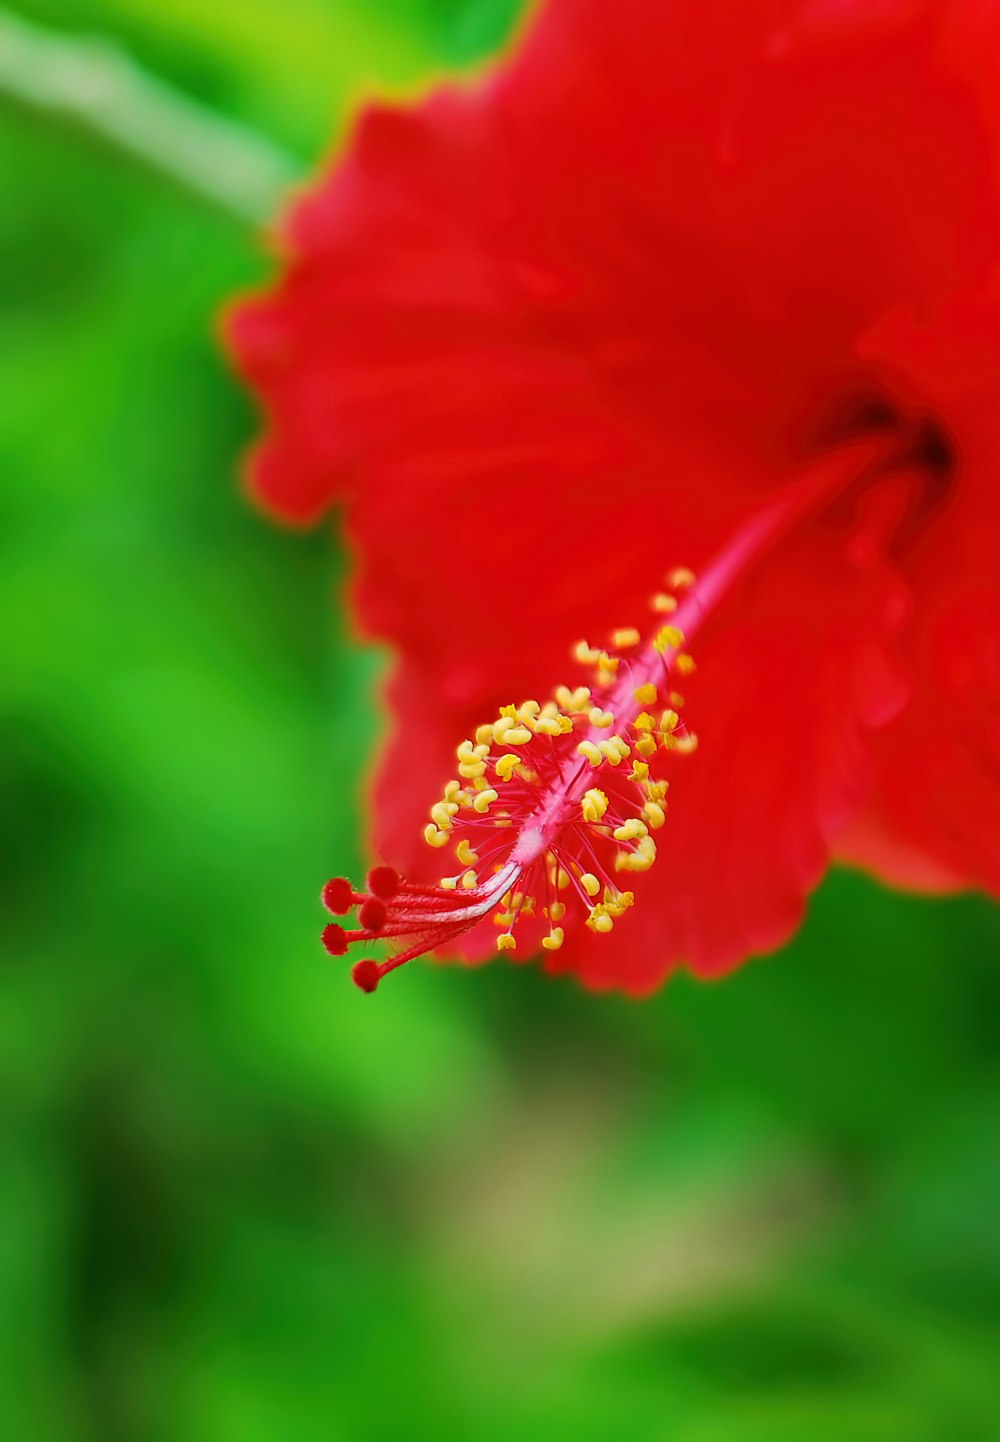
x,y
709,283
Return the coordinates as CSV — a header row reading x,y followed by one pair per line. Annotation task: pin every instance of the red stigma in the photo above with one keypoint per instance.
x,y
335,939
365,974
383,882
372,914
338,895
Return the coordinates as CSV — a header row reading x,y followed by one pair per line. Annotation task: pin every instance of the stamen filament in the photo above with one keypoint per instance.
x,y
524,778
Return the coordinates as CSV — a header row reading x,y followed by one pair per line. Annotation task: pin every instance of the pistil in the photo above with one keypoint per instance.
x,y
554,803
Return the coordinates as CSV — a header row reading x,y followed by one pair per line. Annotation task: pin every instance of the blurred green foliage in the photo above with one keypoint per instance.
x,y
238,1200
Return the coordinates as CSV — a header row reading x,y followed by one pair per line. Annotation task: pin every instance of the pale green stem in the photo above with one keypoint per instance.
x,y
92,85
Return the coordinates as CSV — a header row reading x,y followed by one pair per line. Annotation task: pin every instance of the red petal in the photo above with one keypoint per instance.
x,y
553,335
650,206
935,822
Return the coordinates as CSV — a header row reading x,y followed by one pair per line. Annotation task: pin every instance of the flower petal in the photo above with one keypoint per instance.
x,y
935,822
553,334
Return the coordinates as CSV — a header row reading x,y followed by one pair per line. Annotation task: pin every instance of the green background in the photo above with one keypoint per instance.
x,y
240,1201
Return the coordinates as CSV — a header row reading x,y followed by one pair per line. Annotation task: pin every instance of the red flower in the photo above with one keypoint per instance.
x,y
710,282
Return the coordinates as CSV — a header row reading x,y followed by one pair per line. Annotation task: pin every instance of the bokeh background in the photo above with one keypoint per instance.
x,y
239,1200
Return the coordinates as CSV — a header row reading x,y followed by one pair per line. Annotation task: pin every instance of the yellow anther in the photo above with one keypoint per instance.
x,y
654,814
646,694
561,879
565,725
626,638
616,903
680,577
517,736
506,942
594,804
557,876
502,820
448,883
501,727
686,743
485,800
453,791
554,940
507,765
676,699
685,664
669,720
504,918
615,750
601,719
469,880
639,772
465,853
550,709
484,734
434,837
645,745
510,712
585,654
599,920
668,639
548,726
590,883
590,751
631,861
631,830
472,769
442,812
641,859
644,722
468,752
664,604
606,663
527,711
557,911
657,791
572,700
